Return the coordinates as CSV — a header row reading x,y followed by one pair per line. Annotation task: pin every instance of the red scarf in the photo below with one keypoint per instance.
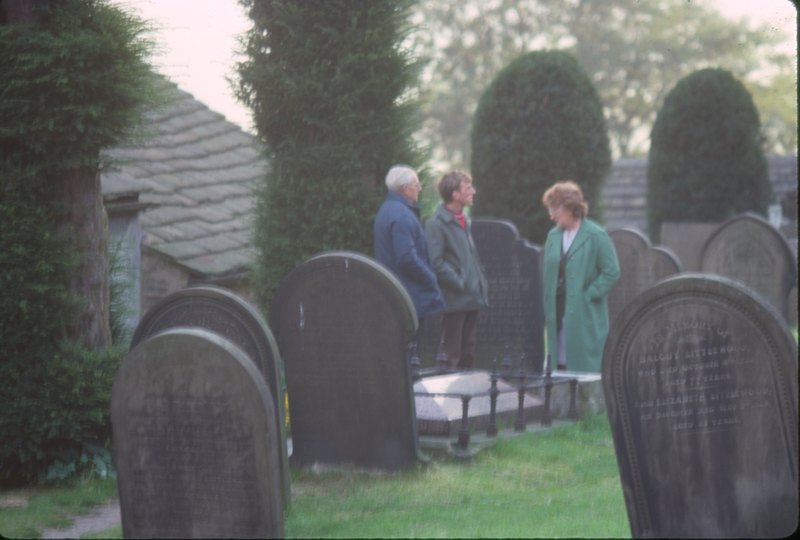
x,y
459,216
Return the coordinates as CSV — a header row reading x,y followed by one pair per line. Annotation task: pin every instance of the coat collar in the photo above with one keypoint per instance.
x,y
396,197
580,238
445,215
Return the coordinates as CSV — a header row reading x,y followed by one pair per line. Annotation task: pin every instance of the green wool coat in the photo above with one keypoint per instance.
x,y
591,270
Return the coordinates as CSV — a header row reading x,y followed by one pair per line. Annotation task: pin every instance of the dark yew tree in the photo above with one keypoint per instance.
x,y
706,153
74,79
539,122
330,87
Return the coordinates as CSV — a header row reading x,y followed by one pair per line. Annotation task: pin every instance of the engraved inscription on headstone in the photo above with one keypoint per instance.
x,y
195,442
222,312
344,324
515,315
641,266
700,379
747,249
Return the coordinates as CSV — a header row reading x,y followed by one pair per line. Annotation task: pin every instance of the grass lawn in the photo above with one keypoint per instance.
x,y
52,507
559,483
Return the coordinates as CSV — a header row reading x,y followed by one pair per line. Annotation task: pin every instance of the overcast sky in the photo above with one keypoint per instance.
x,y
198,39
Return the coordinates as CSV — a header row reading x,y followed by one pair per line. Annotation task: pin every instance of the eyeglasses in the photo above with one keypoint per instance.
x,y
554,212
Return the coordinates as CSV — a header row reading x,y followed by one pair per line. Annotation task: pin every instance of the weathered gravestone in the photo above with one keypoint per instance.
x,y
222,312
700,379
344,324
747,249
641,266
515,316
686,240
195,441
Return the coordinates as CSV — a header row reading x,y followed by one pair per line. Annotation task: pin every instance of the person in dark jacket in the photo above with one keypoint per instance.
x,y
458,268
399,242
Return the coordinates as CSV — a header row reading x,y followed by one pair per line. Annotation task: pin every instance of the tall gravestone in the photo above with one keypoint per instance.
x,y
344,324
515,316
700,379
226,314
747,249
195,441
641,266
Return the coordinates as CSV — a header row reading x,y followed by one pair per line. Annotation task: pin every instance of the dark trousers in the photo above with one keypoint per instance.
x,y
459,331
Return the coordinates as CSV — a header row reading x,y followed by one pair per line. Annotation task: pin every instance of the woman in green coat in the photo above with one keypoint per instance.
x,y
580,267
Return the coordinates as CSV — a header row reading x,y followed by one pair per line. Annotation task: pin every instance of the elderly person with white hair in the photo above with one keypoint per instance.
x,y
400,244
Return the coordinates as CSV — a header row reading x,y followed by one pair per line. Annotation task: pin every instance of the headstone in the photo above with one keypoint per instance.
x,y
226,314
686,240
441,415
344,324
747,249
515,316
700,379
195,441
641,266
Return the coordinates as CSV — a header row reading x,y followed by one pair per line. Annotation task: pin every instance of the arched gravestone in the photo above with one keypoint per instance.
x,y
515,316
222,312
195,441
641,266
700,380
747,249
344,324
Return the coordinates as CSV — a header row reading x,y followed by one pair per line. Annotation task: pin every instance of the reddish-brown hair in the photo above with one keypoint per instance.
x,y
568,195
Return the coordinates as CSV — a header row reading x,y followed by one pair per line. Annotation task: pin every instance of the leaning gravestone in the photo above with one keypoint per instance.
x,y
641,266
344,324
222,312
747,249
700,379
515,316
195,441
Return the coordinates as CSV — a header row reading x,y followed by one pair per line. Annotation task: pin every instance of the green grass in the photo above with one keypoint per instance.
x,y
53,507
559,483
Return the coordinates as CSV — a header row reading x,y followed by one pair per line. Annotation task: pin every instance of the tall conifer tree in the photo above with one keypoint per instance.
x,y
539,122
706,153
329,86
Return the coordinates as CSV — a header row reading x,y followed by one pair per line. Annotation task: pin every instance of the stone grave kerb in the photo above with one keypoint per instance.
x,y
221,311
788,270
336,371
783,368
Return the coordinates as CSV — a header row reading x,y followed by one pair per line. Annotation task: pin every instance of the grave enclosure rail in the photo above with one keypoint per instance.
x,y
526,381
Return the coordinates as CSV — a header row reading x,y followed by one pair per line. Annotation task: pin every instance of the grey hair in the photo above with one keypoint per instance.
x,y
398,176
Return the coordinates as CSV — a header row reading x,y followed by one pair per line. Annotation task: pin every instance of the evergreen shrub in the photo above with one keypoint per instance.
x,y
72,83
330,88
539,122
706,153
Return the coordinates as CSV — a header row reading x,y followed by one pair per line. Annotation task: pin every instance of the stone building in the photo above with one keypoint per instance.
x,y
181,202
625,193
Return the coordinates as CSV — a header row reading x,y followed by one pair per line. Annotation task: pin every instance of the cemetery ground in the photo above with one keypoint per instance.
x,y
562,482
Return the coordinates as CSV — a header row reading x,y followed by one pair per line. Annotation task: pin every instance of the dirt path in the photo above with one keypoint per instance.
x,y
102,518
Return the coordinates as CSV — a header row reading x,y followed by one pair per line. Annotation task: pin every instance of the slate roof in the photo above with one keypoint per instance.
x,y
625,192
194,176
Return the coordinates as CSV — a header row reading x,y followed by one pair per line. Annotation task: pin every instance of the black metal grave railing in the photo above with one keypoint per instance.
x,y
525,381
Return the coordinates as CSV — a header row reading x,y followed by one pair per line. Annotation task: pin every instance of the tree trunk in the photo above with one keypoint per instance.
x,y
86,222
18,11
